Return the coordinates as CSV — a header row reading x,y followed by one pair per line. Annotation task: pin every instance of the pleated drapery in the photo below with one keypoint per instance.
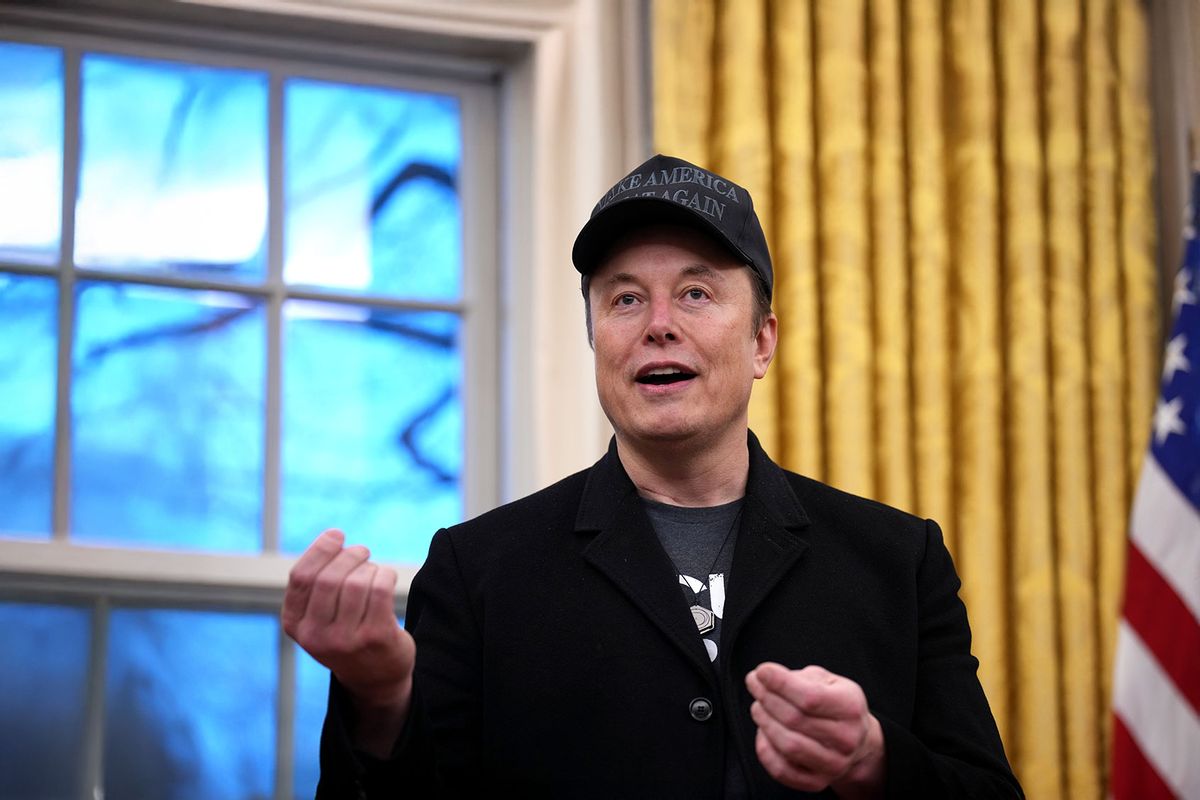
x,y
957,198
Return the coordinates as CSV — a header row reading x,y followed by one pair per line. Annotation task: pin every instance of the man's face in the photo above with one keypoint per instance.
x,y
675,352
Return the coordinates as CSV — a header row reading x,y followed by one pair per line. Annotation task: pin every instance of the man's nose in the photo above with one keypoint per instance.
x,y
661,326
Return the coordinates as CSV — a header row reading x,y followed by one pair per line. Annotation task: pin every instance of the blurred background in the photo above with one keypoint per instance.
x,y
272,266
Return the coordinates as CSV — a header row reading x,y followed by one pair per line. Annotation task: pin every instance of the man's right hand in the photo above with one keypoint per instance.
x,y
340,607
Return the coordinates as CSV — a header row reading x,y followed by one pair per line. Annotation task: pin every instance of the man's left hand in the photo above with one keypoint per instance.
x,y
815,731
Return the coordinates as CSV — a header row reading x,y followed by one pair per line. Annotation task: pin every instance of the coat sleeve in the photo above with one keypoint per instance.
x,y
438,749
953,747
348,774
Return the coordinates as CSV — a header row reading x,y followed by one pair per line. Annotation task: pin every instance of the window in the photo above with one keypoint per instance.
x,y
236,307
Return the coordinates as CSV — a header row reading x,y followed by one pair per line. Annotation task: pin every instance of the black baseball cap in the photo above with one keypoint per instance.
x,y
670,190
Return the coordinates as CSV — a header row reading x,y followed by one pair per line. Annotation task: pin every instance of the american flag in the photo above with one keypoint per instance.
x,y
1156,694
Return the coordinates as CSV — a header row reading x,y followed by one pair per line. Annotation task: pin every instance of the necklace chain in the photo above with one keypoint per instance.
x,y
732,527
706,618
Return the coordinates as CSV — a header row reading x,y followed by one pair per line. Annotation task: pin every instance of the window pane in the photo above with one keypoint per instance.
x,y
190,704
31,144
167,410
372,190
173,168
372,427
43,672
28,359
312,692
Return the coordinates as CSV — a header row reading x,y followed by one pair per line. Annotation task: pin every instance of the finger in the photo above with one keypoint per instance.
x,y
813,690
830,732
322,605
381,605
781,770
356,590
843,735
776,677
754,684
797,749
771,677
304,573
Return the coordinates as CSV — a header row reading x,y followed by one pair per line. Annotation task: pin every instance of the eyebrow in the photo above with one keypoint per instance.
x,y
693,270
702,271
619,277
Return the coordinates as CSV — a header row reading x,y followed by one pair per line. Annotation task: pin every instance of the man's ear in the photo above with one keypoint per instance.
x,y
764,345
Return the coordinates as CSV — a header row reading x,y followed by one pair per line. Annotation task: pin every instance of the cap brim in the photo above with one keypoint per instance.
x,y
597,237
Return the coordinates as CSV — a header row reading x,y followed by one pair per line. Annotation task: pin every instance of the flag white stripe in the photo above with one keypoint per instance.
x,y
1158,717
1166,528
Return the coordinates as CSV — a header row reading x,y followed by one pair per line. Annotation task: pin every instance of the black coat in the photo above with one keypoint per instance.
x,y
557,656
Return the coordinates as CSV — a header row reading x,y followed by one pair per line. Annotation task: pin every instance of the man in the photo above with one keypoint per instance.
x,y
684,619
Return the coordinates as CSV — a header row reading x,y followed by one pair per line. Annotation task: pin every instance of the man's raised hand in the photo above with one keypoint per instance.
x,y
339,607
816,731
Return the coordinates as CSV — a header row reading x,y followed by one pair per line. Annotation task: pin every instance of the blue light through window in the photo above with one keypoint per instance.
x,y
190,704
28,369
372,190
43,672
168,413
173,168
372,427
31,144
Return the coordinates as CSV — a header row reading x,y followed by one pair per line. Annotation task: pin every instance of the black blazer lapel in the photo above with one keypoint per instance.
x,y
769,542
627,551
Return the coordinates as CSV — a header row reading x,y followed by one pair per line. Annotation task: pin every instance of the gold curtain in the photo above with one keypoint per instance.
x,y
957,197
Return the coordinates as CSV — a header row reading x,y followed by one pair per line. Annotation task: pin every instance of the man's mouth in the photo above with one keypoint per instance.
x,y
660,376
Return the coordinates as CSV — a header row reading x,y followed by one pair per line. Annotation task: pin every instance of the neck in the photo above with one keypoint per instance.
x,y
688,474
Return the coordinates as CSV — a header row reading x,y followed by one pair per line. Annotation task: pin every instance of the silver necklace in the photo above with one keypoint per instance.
x,y
705,618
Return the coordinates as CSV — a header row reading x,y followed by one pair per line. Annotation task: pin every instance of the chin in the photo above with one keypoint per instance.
x,y
668,437
670,433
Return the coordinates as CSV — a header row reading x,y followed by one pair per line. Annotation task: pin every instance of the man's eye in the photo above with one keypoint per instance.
x,y
626,300
696,294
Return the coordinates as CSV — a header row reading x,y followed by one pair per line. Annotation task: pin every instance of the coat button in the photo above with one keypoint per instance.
x,y
701,709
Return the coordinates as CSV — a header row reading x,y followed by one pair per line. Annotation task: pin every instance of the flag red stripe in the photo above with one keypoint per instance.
x,y
1133,777
1164,623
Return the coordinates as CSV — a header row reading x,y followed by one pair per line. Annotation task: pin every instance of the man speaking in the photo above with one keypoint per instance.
x,y
685,619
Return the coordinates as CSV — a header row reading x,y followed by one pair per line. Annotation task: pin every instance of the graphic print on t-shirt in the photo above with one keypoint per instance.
x,y
707,602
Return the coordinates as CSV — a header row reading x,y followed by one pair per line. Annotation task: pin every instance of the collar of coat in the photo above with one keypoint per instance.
x,y
623,546
767,488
